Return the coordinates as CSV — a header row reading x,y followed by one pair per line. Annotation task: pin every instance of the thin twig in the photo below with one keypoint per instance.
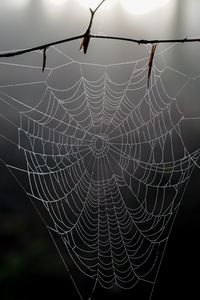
x,y
86,38
136,41
99,6
150,63
145,42
41,47
44,59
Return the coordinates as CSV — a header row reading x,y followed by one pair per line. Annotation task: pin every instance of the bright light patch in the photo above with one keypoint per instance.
x,y
54,7
143,6
58,2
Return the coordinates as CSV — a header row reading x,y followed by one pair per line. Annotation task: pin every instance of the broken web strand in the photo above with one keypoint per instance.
x,y
92,172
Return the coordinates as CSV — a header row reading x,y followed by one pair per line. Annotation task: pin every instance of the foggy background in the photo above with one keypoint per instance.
x,y
28,257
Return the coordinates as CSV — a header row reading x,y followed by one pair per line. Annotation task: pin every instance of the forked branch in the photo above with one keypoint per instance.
x,y
136,41
86,40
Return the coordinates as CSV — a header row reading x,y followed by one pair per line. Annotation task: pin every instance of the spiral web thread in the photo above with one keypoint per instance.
x,y
102,163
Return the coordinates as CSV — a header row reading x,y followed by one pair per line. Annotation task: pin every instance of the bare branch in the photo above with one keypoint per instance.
x,y
41,47
86,38
99,6
136,41
145,42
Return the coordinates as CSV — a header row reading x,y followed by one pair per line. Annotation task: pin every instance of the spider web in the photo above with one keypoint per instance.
x,y
103,159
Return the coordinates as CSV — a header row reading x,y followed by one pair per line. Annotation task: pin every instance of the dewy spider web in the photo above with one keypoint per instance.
x,y
105,161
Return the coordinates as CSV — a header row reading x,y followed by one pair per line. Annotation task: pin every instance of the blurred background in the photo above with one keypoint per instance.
x,y
30,266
